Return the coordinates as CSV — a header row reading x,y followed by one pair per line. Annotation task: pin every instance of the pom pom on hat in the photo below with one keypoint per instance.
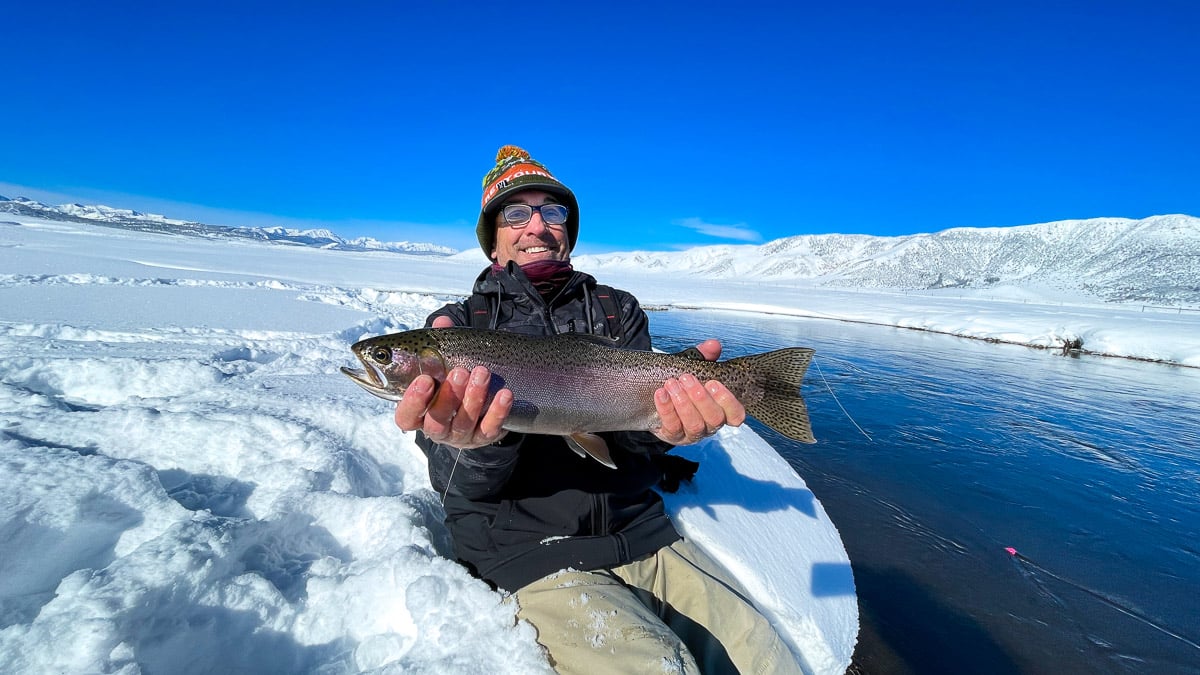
x,y
508,154
516,171
511,152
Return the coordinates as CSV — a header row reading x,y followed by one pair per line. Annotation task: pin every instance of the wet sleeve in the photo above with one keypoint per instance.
x,y
636,324
457,312
477,473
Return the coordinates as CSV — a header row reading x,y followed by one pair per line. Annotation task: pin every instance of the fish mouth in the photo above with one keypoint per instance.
x,y
372,380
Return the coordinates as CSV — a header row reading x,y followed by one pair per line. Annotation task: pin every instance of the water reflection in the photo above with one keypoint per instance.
x,y
1089,466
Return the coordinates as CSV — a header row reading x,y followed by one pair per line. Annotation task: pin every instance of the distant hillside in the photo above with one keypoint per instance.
x,y
1154,260
149,222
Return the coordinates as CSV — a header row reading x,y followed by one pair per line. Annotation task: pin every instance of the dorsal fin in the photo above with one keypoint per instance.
x,y
691,353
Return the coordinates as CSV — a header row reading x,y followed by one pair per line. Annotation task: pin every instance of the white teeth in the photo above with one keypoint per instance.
x,y
537,249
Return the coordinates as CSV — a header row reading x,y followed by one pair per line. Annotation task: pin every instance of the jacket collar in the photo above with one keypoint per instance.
x,y
511,282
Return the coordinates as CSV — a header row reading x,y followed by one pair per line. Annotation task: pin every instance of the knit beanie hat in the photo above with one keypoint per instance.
x,y
515,171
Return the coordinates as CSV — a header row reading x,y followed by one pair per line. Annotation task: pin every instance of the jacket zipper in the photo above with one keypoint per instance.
x,y
599,515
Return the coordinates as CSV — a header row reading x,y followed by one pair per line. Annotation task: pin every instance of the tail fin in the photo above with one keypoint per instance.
x,y
782,408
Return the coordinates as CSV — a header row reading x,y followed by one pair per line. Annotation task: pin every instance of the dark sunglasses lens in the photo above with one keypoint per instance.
x,y
554,214
517,214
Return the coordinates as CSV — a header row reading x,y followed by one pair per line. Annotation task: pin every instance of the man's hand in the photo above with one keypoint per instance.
x,y
691,410
454,413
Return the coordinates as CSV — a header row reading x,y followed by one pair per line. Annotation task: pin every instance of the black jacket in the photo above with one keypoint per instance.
x,y
528,506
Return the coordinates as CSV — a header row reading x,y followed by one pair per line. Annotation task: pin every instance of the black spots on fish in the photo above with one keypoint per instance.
x,y
421,340
412,341
787,416
780,374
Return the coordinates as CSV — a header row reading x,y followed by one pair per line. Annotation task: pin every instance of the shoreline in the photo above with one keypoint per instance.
x,y
1065,348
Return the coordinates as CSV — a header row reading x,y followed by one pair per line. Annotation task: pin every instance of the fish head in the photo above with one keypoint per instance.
x,y
392,362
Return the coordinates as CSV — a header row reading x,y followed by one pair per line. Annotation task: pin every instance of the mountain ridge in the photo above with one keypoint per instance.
x,y
128,219
1150,260
1154,259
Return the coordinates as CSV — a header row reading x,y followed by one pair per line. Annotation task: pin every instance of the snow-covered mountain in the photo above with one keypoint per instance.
x,y
1155,259
149,222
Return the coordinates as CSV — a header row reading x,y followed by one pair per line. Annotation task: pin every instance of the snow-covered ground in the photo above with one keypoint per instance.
x,y
187,484
1041,317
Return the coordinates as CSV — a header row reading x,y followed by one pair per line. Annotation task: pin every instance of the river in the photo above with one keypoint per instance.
x,y
935,454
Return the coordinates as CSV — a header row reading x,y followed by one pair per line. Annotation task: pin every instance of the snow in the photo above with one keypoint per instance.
x,y
151,222
188,484
755,516
1155,260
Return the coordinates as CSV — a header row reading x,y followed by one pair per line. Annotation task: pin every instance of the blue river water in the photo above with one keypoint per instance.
x,y
935,454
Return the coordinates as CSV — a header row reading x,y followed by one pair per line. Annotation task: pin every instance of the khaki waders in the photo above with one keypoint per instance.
x,y
676,611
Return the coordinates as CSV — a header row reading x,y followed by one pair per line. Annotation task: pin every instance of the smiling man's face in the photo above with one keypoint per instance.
x,y
536,240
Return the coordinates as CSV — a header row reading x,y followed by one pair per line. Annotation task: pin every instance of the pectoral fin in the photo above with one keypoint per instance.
x,y
592,446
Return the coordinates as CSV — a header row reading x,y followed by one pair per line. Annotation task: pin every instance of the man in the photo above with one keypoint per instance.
x,y
588,552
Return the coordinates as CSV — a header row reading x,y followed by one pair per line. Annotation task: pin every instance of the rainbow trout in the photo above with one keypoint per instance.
x,y
574,385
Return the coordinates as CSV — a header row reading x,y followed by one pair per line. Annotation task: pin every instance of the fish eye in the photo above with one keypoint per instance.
x,y
382,355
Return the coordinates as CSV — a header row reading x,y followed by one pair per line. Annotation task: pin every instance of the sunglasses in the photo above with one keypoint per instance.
x,y
518,215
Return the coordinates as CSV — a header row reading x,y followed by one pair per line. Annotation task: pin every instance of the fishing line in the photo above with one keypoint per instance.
x,y
848,365
451,477
835,399
1127,611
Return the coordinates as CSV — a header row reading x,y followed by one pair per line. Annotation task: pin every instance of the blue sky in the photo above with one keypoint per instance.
x,y
676,124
